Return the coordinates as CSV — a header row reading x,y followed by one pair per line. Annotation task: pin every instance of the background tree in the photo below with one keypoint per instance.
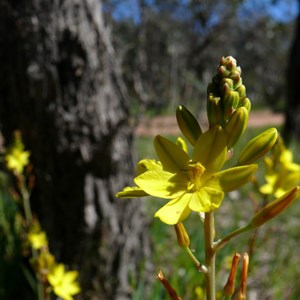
x,y
61,85
292,112
170,46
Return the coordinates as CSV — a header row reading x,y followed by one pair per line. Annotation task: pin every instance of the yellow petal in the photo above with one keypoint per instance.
x,y
172,157
211,150
231,179
131,192
162,184
175,210
147,164
206,200
266,189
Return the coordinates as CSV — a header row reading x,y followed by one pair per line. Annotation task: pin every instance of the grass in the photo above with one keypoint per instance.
x,y
274,264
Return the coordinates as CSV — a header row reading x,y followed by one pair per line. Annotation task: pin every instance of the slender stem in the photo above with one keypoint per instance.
x,y
200,267
210,276
219,244
28,216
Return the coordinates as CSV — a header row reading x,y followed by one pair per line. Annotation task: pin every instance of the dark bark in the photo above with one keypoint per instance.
x,y
292,112
60,85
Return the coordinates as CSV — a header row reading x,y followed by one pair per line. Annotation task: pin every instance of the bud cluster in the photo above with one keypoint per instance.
x,y
227,104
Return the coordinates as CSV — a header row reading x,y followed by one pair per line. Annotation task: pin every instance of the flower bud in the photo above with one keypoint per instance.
x,y
229,62
274,208
231,100
170,290
258,147
214,111
242,291
226,85
242,91
236,125
182,236
188,124
235,76
223,72
246,103
230,284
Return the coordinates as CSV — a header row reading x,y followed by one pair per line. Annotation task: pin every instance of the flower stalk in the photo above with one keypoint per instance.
x,y
210,256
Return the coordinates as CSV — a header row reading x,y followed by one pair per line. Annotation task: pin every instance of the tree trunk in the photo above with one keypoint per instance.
x,y
60,84
292,113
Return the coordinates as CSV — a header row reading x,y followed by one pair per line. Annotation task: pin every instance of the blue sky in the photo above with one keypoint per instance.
x,y
280,10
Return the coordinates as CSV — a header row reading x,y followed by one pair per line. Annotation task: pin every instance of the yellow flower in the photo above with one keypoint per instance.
x,y
37,240
191,184
17,159
63,282
281,172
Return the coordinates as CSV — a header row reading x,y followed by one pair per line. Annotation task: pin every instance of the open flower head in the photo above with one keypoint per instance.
x,y
64,282
37,240
282,173
16,157
190,183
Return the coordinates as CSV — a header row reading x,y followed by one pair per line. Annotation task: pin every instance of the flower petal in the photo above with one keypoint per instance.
x,y
131,192
147,164
211,150
207,199
231,179
172,157
175,210
162,184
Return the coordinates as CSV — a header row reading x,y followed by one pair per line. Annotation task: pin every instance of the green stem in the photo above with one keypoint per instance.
x,y
210,254
219,244
28,216
26,202
200,267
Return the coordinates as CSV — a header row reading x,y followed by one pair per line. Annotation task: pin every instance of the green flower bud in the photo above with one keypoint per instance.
x,y
226,85
236,125
258,147
231,101
242,92
214,111
235,76
247,104
223,72
188,124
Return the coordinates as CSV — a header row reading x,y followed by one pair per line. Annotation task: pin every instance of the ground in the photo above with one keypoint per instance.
x,y
165,125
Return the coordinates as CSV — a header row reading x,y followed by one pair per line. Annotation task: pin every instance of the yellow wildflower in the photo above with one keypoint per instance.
x,y
191,184
63,282
37,240
17,159
281,172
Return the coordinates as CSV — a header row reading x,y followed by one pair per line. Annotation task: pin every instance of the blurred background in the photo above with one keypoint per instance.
x,y
85,81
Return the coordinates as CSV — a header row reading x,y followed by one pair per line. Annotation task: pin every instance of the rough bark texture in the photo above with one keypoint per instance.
x,y
292,115
60,84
